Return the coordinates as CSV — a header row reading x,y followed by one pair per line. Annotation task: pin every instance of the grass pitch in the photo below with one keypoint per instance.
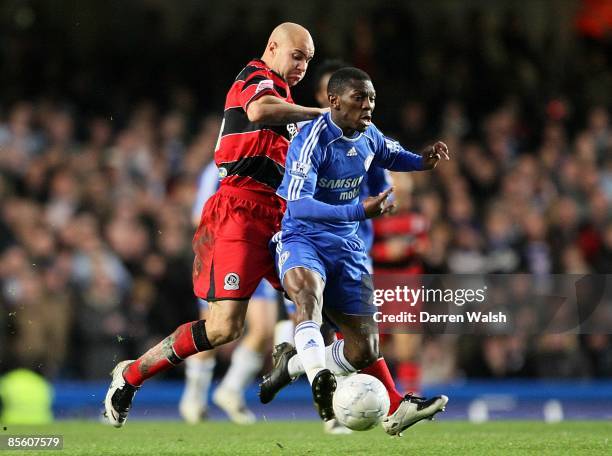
x,y
307,438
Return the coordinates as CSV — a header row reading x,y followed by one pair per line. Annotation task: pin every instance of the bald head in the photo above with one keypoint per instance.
x,y
289,31
288,52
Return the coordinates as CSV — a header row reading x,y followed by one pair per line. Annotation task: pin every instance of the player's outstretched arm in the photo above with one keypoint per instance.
x,y
399,159
272,110
392,156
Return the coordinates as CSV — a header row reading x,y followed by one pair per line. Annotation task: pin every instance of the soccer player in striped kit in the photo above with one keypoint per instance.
x,y
231,242
247,358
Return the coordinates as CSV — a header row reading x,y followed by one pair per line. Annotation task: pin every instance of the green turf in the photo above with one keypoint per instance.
x,y
299,437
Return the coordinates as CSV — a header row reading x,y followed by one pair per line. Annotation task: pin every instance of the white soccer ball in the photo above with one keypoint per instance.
x,y
360,402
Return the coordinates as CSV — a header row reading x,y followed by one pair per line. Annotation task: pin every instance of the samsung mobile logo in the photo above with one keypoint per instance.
x,y
339,183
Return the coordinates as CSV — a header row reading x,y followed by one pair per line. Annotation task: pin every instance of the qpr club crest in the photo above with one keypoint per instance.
x,y
231,281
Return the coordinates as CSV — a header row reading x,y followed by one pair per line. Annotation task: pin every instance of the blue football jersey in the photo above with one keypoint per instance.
x,y
329,167
375,181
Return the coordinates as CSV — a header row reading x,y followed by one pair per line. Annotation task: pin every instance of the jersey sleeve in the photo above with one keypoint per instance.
x,y
257,85
304,158
308,208
391,155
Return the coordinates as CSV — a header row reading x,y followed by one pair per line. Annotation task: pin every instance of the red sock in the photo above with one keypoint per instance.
x,y
185,341
409,376
135,374
380,370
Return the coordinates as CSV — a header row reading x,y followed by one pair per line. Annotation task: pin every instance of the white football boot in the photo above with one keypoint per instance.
x,y
411,410
119,396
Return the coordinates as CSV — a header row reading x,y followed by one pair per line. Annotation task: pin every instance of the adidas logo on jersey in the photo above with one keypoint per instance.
x,y
311,344
352,152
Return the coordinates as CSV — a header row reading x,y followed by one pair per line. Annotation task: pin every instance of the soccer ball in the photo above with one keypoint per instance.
x,y
360,402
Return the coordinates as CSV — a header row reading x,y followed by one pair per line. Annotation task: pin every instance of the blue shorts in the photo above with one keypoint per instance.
x,y
341,263
263,291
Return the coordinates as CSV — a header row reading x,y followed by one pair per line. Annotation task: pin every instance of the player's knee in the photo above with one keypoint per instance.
x,y
225,332
257,335
305,289
259,338
260,330
259,344
308,303
234,331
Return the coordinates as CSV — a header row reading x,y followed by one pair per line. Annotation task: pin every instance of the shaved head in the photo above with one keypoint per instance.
x,y
289,50
289,32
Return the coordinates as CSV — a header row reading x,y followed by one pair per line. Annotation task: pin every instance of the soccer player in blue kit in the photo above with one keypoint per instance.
x,y
374,182
322,262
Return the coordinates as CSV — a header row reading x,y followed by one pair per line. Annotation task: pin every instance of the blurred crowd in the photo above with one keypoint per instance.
x,y
96,235
95,228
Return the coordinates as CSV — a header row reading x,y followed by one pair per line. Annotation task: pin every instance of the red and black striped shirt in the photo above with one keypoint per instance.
x,y
252,155
395,241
